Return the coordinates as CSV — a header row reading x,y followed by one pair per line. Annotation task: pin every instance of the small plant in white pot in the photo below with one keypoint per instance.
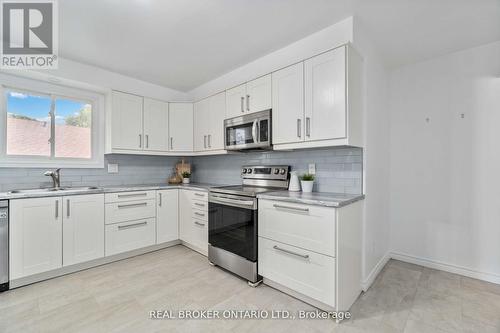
x,y
186,176
307,182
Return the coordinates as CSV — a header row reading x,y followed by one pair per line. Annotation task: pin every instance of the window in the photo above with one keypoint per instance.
x,y
51,125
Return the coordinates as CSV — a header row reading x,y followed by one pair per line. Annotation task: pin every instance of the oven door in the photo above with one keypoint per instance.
x,y
232,224
248,132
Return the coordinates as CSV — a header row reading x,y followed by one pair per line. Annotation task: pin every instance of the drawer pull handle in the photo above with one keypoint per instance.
x,y
135,225
199,214
133,205
292,208
305,256
199,194
199,204
200,224
132,195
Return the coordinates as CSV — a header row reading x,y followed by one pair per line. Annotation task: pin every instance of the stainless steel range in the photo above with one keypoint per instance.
x,y
232,221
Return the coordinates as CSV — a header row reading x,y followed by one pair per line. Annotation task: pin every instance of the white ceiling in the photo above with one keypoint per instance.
x,y
181,44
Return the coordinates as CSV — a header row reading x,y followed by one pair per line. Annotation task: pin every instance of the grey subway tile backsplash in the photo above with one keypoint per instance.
x,y
337,170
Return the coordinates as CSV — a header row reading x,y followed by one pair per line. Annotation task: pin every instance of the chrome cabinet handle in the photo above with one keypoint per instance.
x,y
199,204
200,224
160,197
199,194
205,141
199,214
242,101
171,143
299,128
67,208
308,126
132,195
133,205
305,256
135,225
147,141
140,140
209,139
291,208
248,102
57,209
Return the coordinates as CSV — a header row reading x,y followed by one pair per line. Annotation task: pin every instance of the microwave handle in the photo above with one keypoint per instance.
x,y
254,131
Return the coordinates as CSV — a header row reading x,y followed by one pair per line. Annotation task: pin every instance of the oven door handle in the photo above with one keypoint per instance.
x,y
254,131
249,203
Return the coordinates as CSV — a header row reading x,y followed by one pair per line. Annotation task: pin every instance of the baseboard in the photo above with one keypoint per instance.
x,y
375,271
485,276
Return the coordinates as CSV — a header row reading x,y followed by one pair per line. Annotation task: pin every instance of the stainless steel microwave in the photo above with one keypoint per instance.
x,y
250,131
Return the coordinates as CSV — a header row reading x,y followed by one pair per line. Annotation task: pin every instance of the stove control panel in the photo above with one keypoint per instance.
x,y
274,172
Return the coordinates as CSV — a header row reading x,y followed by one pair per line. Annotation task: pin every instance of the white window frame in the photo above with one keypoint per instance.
x,y
24,85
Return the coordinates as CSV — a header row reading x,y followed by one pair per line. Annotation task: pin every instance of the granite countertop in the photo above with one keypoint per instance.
x,y
315,198
106,189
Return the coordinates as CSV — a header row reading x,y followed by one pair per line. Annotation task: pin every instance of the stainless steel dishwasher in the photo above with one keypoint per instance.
x,y
4,245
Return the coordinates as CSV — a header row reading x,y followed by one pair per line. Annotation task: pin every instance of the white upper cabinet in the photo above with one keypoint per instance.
x,y
288,104
155,125
209,115
320,106
250,97
83,228
325,96
181,127
35,236
258,96
127,121
201,124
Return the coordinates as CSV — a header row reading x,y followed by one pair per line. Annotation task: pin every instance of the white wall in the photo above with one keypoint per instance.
x,y
323,40
445,184
376,226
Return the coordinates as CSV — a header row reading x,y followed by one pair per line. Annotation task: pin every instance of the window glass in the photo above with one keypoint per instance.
x,y
73,123
28,124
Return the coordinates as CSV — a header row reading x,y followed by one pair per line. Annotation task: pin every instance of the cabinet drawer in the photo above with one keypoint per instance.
x,y
303,271
305,226
199,235
127,236
197,195
200,205
129,211
129,196
200,215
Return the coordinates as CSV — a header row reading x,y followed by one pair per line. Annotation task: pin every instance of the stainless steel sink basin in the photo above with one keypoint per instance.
x,y
43,190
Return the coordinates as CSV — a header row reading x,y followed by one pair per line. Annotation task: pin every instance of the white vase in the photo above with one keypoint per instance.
x,y
294,182
185,180
307,185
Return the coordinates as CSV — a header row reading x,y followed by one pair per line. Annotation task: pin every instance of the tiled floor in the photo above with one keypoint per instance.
x,y
118,297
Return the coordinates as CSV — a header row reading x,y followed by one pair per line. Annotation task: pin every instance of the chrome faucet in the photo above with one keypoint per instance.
x,y
56,177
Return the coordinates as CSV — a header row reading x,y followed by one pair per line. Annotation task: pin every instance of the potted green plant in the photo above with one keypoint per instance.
x,y
307,182
186,177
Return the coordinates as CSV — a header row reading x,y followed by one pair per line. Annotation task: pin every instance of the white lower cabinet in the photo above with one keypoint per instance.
x,y
312,251
130,235
193,219
167,215
83,228
35,243
306,272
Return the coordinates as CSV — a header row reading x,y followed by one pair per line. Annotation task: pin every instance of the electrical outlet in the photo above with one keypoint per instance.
x,y
312,168
112,168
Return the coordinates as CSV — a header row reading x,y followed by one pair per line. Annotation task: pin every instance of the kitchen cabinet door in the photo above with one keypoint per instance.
x,y
155,125
167,216
201,124
181,127
83,228
258,96
35,239
235,101
288,104
325,96
127,121
217,115
185,216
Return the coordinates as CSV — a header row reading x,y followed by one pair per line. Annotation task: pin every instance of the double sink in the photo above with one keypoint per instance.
x,y
53,189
